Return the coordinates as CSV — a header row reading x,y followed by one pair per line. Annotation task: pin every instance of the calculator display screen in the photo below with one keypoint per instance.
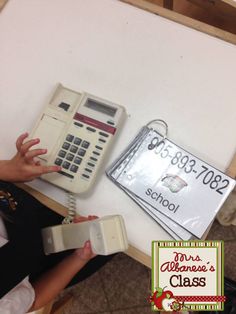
x,y
100,107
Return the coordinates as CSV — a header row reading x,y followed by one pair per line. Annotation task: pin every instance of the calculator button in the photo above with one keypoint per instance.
x,y
99,147
111,122
94,159
85,176
90,164
66,165
85,144
66,145
81,152
102,140
91,129
62,153
96,153
69,157
73,149
88,170
103,134
66,174
58,161
77,141
78,124
69,138
77,160
74,168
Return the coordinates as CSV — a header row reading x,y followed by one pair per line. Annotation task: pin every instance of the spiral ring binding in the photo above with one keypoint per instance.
x,y
163,123
71,204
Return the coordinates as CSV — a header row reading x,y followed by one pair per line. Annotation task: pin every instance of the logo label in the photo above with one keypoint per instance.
x,y
187,275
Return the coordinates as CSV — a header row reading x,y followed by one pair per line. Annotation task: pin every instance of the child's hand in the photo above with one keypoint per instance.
x,y
85,253
22,167
83,218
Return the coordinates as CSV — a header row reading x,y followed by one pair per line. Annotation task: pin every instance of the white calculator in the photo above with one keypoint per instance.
x,y
77,129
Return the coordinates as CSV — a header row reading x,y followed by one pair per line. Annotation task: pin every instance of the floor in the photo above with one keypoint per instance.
x,y
121,287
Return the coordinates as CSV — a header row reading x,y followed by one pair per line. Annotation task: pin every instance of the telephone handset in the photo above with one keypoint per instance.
x,y
77,129
107,236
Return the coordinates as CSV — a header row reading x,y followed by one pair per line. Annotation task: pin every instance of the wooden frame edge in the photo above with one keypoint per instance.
x,y
182,19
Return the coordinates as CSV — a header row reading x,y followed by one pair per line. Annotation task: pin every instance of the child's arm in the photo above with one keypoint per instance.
x,y
55,280
22,167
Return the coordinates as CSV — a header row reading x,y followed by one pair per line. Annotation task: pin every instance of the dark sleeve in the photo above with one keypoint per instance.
x,y
17,260
23,255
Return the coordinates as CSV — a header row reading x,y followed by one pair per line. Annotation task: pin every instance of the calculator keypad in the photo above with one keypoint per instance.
x,y
69,157
77,160
72,152
77,141
65,165
74,168
81,152
69,138
62,153
58,161
85,144
66,145
74,149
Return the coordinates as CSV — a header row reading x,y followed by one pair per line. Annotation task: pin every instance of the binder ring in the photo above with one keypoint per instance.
x,y
163,123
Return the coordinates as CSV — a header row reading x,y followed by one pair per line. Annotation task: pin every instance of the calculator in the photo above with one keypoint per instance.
x,y
77,130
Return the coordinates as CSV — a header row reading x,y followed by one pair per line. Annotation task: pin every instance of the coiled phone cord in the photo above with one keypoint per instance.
x,y
71,205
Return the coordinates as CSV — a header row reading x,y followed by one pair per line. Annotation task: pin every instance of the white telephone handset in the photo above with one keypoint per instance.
x,y
107,236
77,129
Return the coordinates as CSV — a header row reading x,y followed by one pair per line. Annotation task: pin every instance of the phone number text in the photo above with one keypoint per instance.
x,y
187,164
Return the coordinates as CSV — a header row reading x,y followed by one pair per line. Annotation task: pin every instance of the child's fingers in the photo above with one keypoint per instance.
x,y
85,254
26,146
92,217
82,218
39,170
87,251
20,140
29,155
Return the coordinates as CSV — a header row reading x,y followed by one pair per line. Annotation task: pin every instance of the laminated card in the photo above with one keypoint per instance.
x,y
172,181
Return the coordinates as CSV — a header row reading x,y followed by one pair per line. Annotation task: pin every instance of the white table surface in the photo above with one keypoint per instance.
x,y
154,67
